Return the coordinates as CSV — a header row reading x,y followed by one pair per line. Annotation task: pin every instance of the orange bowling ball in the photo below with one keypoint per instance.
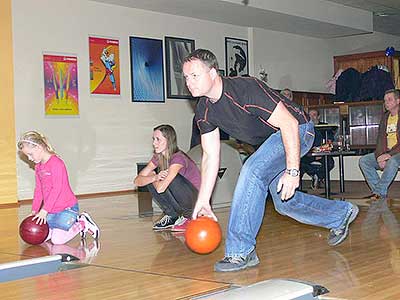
x,y
203,235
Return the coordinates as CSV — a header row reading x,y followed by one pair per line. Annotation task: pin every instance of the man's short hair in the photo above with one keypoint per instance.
x,y
205,56
395,92
288,92
314,109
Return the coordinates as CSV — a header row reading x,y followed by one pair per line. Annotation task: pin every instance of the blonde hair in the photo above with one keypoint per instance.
x,y
172,146
35,138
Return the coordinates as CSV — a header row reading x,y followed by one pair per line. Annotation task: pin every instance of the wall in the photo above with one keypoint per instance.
x,y
293,61
8,182
376,41
102,146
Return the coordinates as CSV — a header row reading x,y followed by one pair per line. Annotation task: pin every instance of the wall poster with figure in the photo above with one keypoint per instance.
x,y
104,66
176,49
147,70
60,84
236,57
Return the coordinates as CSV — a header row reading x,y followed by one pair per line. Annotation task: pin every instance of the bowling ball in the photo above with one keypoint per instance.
x,y
203,235
33,233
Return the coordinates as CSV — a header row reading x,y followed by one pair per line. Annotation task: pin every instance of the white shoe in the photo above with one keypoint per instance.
x,y
90,226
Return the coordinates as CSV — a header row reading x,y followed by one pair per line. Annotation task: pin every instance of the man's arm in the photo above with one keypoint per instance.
x,y
209,170
289,128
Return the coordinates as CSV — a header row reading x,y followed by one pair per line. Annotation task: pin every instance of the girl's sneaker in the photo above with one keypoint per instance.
x,y
90,226
181,224
165,222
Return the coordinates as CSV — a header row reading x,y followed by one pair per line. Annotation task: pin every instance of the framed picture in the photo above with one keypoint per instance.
x,y
104,66
236,57
221,72
147,70
61,95
176,49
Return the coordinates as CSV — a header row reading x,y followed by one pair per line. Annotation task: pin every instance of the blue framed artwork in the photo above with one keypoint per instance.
x,y
147,70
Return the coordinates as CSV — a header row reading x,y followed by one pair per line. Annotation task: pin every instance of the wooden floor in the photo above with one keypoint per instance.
x,y
133,262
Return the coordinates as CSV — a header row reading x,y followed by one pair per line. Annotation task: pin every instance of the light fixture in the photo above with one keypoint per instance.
x,y
381,14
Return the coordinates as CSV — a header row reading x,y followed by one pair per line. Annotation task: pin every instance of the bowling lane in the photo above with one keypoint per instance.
x,y
6,258
105,283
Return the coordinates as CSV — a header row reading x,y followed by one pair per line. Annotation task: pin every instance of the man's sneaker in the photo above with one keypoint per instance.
x,y
314,182
90,226
180,224
336,236
231,264
165,223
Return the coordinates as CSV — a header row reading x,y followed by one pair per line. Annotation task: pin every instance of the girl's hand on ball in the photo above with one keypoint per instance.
x,y
40,217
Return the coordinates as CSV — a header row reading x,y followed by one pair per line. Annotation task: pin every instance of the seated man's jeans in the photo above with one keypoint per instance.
x,y
369,167
260,173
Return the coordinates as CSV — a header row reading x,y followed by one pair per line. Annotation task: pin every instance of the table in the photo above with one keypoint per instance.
x,y
325,155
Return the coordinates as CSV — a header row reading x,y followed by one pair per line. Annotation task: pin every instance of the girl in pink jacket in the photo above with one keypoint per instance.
x,y
54,202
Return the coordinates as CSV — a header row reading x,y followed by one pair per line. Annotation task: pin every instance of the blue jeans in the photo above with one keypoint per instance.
x,y
369,167
261,172
63,219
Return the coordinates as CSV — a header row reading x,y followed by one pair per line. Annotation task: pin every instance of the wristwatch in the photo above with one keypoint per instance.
x,y
293,172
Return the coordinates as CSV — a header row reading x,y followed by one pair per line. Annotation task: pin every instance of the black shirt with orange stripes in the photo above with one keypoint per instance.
x,y
243,110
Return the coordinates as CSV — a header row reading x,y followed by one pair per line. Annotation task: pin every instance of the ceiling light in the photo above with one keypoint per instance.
x,y
381,14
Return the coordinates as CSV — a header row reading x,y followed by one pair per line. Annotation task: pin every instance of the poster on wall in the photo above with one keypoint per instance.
x,y
176,49
61,84
236,57
147,71
104,66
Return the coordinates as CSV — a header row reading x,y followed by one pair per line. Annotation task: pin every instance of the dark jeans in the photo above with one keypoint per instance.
x,y
178,199
310,169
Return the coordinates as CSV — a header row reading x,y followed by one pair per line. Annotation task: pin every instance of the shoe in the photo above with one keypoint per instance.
x,y
231,264
376,197
180,235
180,224
90,226
165,223
336,236
314,182
90,252
373,197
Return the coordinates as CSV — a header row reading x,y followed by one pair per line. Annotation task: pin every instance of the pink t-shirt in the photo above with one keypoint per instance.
x,y
189,169
52,186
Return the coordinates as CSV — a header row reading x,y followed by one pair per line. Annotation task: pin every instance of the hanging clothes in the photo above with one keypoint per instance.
x,y
374,83
348,86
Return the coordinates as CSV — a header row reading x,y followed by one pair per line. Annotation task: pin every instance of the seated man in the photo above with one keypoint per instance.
x,y
387,154
314,166
287,93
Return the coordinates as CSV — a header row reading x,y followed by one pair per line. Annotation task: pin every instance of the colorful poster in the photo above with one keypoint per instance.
x,y
104,66
61,85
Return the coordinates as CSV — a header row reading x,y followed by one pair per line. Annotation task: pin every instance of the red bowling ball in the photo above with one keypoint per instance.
x,y
33,233
203,235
